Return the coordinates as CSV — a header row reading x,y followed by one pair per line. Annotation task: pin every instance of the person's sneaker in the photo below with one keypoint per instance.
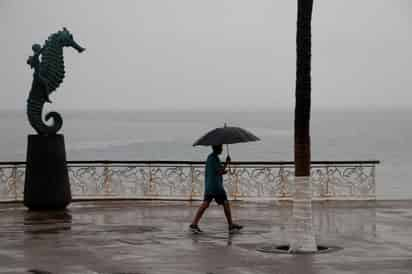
x,y
235,227
195,228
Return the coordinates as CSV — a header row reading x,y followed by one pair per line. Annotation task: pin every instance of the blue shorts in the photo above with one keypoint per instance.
x,y
220,198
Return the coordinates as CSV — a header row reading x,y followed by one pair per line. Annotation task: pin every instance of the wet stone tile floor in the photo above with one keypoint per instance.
x,y
153,237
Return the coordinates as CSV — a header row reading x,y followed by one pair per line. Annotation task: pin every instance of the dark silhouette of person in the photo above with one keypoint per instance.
x,y
214,189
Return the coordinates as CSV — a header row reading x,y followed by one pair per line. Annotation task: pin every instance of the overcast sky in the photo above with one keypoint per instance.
x,y
190,54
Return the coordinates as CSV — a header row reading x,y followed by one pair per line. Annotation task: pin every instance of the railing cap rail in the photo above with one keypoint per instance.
x,y
374,162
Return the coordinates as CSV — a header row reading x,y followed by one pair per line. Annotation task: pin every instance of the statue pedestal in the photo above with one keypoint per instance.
x,y
46,185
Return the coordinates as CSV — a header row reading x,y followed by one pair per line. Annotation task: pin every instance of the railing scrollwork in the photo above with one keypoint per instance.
x,y
184,180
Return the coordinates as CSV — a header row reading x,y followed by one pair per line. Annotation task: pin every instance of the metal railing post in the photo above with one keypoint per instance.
x,y
237,184
327,182
283,182
192,182
151,184
373,181
14,182
107,182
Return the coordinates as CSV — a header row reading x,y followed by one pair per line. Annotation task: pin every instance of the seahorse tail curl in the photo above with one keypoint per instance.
x,y
34,113
57,121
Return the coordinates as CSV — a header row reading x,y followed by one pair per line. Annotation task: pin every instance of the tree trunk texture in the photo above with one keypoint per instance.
x,y
302,238
303,88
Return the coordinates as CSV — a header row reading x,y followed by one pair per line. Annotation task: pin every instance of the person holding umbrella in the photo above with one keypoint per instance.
x,y
214,171
214,189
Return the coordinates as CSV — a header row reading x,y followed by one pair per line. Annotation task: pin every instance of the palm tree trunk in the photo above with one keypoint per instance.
x,y
303,88
303,238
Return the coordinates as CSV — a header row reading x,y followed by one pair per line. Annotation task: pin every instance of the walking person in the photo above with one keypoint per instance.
x,y
214,189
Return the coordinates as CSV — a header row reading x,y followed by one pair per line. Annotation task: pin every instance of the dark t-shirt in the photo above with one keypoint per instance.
x,y
213,181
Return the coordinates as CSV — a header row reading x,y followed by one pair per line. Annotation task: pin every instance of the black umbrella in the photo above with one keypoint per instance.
x,y
225,136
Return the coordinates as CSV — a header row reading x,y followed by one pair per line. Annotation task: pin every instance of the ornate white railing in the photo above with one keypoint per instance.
x,y
184,180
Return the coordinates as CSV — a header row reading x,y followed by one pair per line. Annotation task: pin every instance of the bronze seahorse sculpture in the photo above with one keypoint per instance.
x,y
47,77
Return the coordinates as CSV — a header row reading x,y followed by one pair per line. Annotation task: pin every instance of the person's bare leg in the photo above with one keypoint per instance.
x,y
200,212
228,213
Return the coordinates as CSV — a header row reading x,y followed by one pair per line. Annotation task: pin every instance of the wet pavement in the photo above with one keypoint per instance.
x,y
152,237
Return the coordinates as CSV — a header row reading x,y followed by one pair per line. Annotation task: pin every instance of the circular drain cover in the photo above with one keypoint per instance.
x,y
284,249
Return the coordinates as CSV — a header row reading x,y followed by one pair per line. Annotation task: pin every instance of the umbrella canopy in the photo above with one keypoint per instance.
x,y
226,135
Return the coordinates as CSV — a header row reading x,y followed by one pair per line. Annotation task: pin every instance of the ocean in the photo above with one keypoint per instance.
x,y
337,135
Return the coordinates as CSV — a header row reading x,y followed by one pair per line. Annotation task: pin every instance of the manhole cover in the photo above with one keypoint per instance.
x,y
284,249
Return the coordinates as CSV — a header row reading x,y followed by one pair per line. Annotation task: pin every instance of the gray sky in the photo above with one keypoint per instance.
x,y
190,54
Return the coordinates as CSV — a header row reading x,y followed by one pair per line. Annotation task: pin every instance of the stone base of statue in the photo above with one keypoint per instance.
x,y
46,185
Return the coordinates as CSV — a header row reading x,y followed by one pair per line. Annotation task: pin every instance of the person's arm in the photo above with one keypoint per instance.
x,y
222,170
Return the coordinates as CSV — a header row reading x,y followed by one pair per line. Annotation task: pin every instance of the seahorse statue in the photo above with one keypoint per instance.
x,y
47,77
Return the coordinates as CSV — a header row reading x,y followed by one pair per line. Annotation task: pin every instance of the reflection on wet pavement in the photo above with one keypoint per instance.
x,y
153,237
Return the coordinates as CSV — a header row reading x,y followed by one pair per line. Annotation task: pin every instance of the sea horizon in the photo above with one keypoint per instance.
x,y
338,135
